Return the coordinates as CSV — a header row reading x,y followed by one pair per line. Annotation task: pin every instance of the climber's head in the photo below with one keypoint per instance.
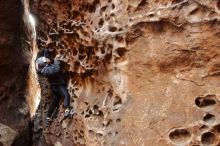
x,y
41,63
49,53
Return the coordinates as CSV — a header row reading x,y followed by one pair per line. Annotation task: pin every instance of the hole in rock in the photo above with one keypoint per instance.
x,y
208,138
151,15
76,138
109,122
110,92
90,112
113,6
118,120
205,101
108,58
95,107
110,134
218,4
120,29
216,128
112,29
103,9
110,46
92,8
81,132
81,50
96,2
108,18
76,65
176,1
101,22
99,135
193,12
117,101
91,132
203,128
141,4
87,116
102,50
120,39
121,51
81,57
180,136
96,110
112,15
209,118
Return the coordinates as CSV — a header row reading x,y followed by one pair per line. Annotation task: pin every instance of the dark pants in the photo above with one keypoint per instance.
x,y
59,91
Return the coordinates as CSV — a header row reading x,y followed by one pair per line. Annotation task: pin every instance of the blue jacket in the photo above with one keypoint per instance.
x,y
52,72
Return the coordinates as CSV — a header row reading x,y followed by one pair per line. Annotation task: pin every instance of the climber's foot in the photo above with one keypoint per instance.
x,y
69,112
66,112
48,121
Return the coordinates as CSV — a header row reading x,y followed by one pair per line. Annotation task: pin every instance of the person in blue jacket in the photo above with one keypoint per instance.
x,y
52,71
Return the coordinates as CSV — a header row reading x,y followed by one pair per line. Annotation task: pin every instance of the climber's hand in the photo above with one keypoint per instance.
x,y
59,57
51,49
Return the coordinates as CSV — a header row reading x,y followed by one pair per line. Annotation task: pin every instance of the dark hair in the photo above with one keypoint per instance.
x,y
41,66
47,53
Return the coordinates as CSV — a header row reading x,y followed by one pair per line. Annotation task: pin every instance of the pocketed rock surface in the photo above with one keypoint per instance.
x,y
139,72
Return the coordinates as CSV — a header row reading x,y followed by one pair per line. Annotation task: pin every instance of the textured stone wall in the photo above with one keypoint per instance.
x,y
140,72
15,49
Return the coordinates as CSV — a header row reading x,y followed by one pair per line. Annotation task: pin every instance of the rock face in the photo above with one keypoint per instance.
x,y
14,64
7,135
140,72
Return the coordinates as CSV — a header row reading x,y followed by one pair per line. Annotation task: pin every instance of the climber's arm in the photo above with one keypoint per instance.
x,y
51,69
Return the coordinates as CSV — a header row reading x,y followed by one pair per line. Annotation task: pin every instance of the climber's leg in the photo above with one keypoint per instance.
x,y
63,91
55,102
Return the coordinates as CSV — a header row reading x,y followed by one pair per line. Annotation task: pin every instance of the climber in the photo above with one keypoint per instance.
x,y
45,67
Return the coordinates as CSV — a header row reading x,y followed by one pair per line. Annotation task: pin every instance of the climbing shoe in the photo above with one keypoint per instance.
x,y
68,112
48,121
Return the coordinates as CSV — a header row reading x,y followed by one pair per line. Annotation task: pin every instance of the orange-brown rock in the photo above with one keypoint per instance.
x,y
140,72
